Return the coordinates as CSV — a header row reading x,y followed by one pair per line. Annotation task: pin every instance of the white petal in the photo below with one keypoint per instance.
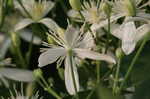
x,y
101,24
142,31
71,35
4,47
22,24
84,53
17,74
144,15
50,56
117,32
50,24
27,36
48,5
128,40
68,76
87,42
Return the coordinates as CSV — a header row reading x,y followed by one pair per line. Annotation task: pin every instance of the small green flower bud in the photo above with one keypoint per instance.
x,y
75,4
119,53
106,8
37,73
130,6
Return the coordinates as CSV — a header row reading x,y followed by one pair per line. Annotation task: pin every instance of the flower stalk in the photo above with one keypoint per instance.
x,y
133,63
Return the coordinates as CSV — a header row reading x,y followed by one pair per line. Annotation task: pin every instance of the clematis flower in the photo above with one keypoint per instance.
x,y
72,44
36,10
124,8
127,32
94,15
130,35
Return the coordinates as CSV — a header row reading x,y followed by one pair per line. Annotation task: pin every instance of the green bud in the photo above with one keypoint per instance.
x,y
37,73
119,53
75,4
131,7
106,8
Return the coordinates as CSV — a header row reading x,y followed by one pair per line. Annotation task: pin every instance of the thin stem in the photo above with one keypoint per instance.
x,y
49,89
90,94
22,61
28,57
116,77
73,76
98,71
133,63
108,35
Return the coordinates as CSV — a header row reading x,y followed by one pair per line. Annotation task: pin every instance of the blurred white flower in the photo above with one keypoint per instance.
x,y
36,11
130,35
72,40
125,8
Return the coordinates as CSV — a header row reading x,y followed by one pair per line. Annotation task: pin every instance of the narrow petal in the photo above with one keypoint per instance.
x,y
50,24
87,42
48,5
142,31
84,53
117,32
69,77
128,40
17,74
71,35
4,47
22,24
50,56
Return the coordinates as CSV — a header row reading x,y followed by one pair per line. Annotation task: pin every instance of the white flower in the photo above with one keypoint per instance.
x,y
74,42
36,9
124,8
130,35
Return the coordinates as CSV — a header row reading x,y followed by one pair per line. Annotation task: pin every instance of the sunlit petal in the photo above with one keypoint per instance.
x,y
50,56
84,53
69,77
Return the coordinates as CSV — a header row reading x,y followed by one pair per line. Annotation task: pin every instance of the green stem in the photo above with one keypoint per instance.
x,y
73,76
21,57
28,57
98,71
116,77
108,35
49,89
133,63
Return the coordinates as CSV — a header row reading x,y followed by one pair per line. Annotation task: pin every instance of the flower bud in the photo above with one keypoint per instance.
x,y
119,53
106,8
37,73
75,4
130,6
